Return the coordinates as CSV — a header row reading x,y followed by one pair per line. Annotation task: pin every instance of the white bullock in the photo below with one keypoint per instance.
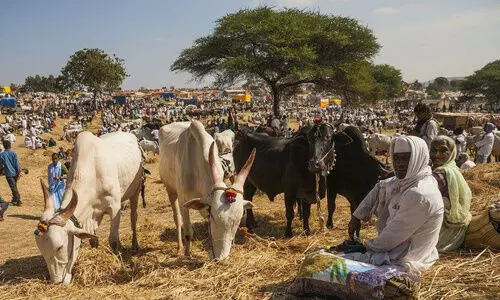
x,y
379,142
225,141
104,172
149,146
191,171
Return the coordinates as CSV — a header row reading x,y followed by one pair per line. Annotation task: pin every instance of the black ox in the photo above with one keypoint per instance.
x,y
356,170
281,166
290,166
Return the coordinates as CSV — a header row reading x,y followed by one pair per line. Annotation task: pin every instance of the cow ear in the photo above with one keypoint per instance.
x,y
79,233
86,235
196,204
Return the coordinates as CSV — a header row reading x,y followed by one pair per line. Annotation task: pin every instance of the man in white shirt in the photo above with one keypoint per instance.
x,y
460,141
409,210
485,145
426,127
156,135
33,134
10,137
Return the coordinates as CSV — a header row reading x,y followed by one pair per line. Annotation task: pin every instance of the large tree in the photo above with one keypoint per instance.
x,y
485,81
94,70
283,48
389,81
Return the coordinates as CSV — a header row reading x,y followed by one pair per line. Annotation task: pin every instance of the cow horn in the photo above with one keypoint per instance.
x,y
216,176
48,205
68,211
243,173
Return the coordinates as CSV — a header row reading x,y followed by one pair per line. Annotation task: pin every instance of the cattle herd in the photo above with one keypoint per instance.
x,y
332,152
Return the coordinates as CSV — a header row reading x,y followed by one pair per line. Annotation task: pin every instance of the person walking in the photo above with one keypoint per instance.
x,y
485,145
9,163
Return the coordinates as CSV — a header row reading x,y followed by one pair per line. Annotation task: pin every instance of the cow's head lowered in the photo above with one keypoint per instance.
x,y
322,142
225,206
58,238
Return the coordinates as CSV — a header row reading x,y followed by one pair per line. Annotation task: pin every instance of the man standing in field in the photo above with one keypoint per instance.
x,y
9,163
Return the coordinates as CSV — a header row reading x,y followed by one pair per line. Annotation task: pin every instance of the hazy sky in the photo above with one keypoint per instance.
x,y
424,39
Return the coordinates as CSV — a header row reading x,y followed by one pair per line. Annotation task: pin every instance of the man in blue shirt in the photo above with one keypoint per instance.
x,y
9,163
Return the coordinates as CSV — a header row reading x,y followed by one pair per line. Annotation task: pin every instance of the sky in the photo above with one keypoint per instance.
x,y
424,39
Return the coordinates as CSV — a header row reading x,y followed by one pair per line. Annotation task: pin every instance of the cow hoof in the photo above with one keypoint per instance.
x,y
115,246
329,226
94,243
135,247
288,234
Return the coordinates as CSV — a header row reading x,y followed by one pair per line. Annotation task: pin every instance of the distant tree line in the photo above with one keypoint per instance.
x,y
88,69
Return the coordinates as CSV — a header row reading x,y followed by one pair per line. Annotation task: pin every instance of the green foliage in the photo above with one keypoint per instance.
x,y
389,81
485,81
456,85
94,70
39,83
283,48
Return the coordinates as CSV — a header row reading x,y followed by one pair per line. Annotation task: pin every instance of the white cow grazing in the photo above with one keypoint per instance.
x,y
149,146
191,171
104,172
379,142
225,141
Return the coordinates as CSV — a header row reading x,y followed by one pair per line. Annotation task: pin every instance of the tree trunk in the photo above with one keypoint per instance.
x,y
276,100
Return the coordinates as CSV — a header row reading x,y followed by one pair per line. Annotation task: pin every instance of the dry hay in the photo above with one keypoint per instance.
x,y
260,267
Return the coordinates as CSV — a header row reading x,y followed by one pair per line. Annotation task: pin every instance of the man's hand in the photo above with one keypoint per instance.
x,y
354,228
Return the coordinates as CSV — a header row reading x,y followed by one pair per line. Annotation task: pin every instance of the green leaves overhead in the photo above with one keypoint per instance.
x,y
284,48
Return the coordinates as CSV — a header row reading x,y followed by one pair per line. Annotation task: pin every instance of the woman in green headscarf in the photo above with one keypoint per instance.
x,y
455,191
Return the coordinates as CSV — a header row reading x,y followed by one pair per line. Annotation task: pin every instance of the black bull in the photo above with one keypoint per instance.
x,y
356,170
289,166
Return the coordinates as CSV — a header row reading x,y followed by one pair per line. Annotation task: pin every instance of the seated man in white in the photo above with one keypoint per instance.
x,y
409,208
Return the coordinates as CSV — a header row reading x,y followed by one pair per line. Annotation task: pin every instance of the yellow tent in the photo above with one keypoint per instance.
x,y
323,103
336,101
243,97
6,89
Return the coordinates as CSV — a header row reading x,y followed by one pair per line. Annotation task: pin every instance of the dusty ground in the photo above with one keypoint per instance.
x,y
258,268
